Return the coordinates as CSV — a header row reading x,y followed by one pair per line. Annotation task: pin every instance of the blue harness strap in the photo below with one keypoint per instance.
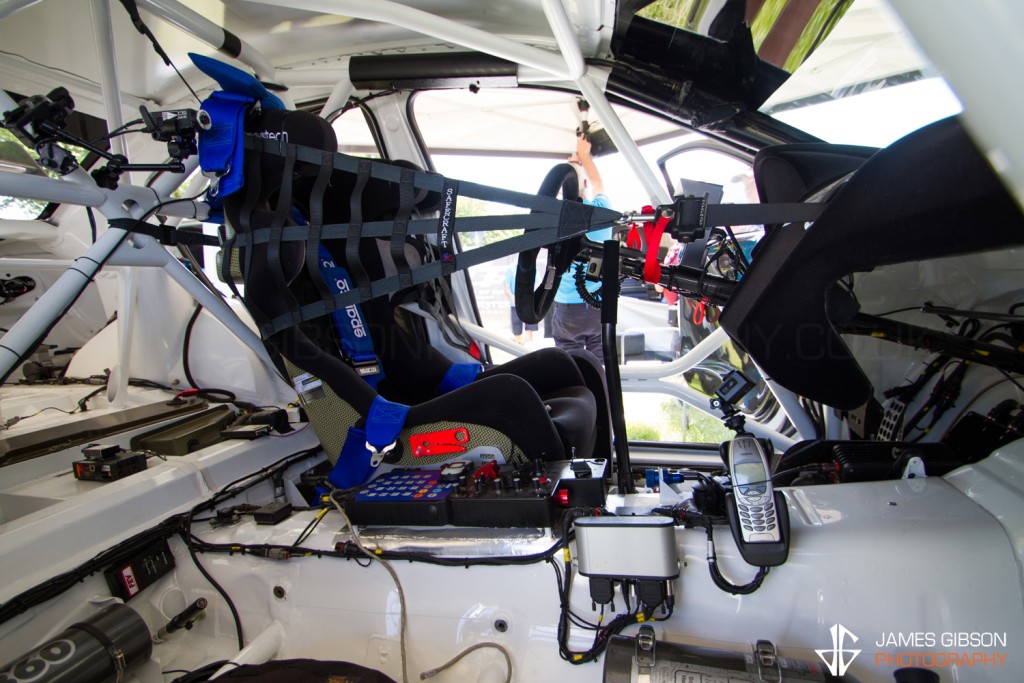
x,y
356,342
221,151
234,80
364,449
221,148
384,422
459,375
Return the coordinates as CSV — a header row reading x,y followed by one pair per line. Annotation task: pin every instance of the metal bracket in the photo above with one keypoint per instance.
x,y
767,662
646,643
914,469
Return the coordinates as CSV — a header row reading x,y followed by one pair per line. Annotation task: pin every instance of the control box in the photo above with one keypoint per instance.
x,y
105,462
492,495
627,547
128,579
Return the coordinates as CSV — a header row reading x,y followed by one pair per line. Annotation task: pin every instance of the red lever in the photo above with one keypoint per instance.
x,y
488,471
442,442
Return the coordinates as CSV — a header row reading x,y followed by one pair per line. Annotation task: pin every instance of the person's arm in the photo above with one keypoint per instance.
x,y
507,285
583,154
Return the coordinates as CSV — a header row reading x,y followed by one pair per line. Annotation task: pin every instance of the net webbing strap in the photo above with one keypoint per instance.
x,y
316,219
406,197
355,232
549,223
277,226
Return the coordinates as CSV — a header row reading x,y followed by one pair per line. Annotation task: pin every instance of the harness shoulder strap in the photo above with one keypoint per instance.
x,y
353,332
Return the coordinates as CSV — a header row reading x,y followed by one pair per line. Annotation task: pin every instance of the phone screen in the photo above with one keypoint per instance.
x,y
747,473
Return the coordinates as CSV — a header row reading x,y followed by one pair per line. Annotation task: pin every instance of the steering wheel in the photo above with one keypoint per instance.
x,y
532,305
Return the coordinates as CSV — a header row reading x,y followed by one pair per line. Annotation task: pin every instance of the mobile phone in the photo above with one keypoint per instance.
x,y
757,513
752,491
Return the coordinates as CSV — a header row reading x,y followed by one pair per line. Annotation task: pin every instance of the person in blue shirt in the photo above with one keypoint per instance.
x,y
575,325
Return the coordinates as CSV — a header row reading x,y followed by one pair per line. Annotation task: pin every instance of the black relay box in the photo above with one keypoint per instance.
x,y
105,462
491,495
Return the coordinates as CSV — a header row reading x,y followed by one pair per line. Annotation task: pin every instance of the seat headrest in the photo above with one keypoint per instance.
x,y
295,127
930,195
789,173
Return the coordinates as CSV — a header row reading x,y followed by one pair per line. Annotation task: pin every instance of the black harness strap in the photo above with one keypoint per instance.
x,y
425,273
165,234
228,239
316,219
416,227
355,232
406,197
252,196
451,330
693,214
433,182
284,204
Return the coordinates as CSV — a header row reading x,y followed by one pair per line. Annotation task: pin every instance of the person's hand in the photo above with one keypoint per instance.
x,y
582,149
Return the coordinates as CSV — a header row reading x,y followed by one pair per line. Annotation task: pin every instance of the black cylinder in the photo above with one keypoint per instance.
x,y
91,651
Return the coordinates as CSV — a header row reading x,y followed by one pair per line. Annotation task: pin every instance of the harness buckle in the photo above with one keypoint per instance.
x,y
377,457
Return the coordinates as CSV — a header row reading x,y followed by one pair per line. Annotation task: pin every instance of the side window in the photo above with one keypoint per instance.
x,y
354,134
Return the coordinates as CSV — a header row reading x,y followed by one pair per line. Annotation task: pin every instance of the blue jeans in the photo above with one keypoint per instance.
x,y
577,326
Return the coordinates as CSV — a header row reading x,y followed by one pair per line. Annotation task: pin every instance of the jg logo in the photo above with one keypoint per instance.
x,y
839,662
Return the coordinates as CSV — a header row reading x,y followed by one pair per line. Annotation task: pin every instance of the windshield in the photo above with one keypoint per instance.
x,y
867,83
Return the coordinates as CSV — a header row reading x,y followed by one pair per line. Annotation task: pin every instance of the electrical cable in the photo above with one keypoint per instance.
x,y
231,490
173,525
394,576
720,580
57,585
472,648
133,13
310,527
186,344
92,223
187,537
1012,379
897,310
81,408
120,130
203,673
352,103
742,264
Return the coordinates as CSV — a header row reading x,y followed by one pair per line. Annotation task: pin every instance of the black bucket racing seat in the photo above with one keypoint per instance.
x,y
534,407
929,195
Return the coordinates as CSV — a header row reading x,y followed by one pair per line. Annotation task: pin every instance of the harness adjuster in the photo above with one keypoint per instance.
x,y
365,366
689,219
